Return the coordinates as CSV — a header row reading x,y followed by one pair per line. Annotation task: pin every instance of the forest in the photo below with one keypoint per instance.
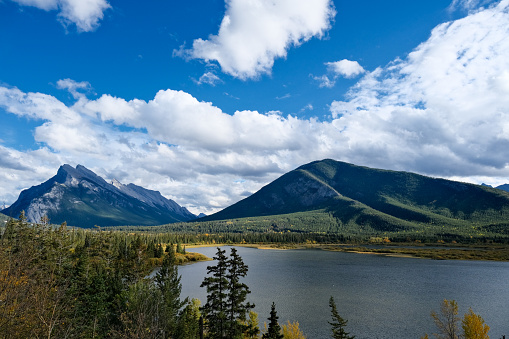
x,y
57,282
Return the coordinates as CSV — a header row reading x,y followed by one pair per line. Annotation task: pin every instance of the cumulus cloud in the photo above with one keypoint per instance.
x,y
85,14
444,109
441,111
343,68
254,33
188,149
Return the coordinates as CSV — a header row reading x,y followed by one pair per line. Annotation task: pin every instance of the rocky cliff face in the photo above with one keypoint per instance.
x,y
82,198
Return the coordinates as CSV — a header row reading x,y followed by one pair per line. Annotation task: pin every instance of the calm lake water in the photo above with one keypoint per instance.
x,y
381,297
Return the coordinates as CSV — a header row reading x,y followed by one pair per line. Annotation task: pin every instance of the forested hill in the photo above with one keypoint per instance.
x,y
382,200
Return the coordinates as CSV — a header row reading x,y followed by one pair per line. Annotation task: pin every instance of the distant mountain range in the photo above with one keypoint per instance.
x,y
504,187
352,198
380,200
81,198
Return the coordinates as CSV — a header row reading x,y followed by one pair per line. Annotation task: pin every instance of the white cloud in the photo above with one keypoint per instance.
x,y
187,149
209,78
324,81
74,87
85,14
46,5
345,68
444,109
468,5
254,33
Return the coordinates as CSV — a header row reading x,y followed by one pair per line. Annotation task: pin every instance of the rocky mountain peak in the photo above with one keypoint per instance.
x,y
82,198
66,173
116,183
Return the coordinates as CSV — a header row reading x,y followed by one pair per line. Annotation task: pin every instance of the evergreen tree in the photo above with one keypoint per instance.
x,y
215,308
189,322
226,308
274,330
237,308
338,323
168,282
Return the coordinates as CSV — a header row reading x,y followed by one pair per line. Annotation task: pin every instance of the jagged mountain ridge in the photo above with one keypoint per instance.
x,y
379,199
81,198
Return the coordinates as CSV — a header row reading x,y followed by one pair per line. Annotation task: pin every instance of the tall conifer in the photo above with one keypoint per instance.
x,y
167,280
338,323
226,308
217,287
274,330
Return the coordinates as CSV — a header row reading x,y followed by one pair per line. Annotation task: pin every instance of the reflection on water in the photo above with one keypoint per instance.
x,y
381,297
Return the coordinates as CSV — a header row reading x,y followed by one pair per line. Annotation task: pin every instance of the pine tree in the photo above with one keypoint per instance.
x,y
217,288
338,323
226,307
274,330
189,322
237,308
168,282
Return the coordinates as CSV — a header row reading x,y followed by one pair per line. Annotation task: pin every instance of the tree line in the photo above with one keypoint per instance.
x,y
57,282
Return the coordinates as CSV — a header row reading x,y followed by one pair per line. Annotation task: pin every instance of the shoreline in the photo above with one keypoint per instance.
x,y
485,253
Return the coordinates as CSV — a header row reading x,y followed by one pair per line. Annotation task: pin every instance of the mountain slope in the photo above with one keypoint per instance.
x,y
378,199
504,187
82,198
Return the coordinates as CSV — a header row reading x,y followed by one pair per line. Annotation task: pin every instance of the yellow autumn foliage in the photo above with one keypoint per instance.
x,y
474,327
292,331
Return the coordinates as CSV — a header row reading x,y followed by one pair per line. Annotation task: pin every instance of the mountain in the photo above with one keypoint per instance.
x,y
504,187
81,198
380,200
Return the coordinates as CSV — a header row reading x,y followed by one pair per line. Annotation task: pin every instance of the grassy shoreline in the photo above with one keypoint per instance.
x,y
434,251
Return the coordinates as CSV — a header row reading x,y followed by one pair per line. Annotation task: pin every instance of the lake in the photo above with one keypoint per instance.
x,y
381,297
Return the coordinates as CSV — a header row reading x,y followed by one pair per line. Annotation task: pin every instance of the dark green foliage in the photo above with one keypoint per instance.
x,y
215,308
167,280
226,307
189,324
274,330
338,323
236,304
361,200
62,283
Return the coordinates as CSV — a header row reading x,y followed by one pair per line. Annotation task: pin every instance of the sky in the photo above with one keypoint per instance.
x,y
208,101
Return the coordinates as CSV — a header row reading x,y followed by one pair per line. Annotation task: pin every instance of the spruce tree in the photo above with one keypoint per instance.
x,y
237,308
217,288
274,330
226,308
338,323
168,282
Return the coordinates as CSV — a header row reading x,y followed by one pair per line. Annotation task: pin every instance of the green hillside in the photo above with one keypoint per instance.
x,y
361,200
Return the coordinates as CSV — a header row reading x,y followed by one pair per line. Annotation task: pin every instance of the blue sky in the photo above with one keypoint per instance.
x,y
207,101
